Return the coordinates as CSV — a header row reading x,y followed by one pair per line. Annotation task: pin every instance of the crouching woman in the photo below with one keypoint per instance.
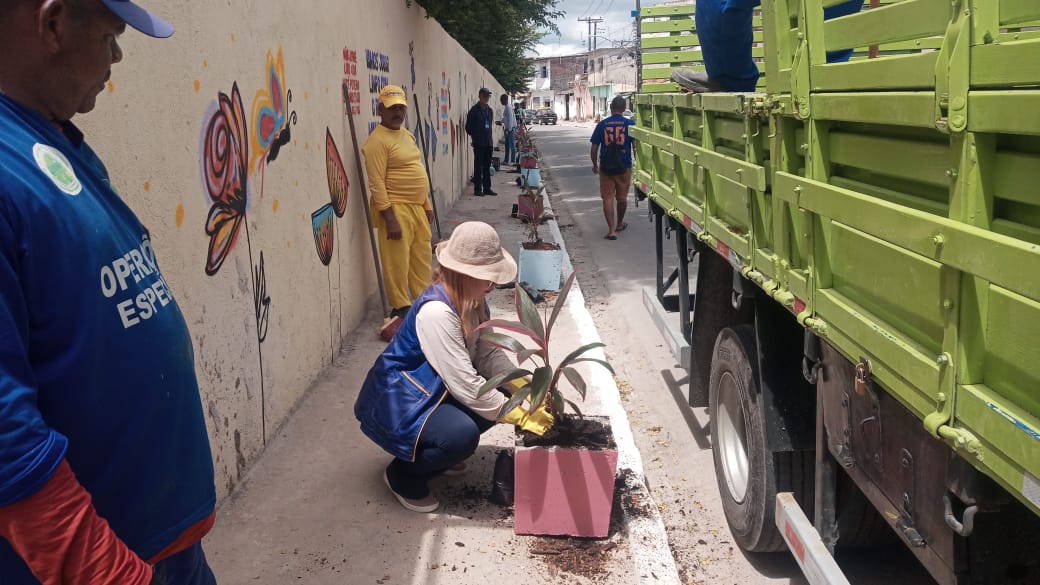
x,y
419,401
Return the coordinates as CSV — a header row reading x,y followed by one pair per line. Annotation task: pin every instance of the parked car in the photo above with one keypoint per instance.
x,y
545,117
529,116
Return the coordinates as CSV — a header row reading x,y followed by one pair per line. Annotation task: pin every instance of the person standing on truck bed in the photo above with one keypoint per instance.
x,y
611,155
726,36
106,476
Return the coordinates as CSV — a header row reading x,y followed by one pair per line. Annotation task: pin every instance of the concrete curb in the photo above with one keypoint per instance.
x,y
648,539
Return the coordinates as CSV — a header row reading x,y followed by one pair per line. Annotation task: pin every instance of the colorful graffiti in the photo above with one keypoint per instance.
x,y
232,148
225,163
271,117
351,82
322,220
339,185
324,232
378,65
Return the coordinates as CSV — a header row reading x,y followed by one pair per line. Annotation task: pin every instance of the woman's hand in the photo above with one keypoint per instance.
x,y
537,422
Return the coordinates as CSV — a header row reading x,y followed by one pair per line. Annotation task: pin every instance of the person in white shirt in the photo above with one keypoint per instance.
x,y
420,402
509,127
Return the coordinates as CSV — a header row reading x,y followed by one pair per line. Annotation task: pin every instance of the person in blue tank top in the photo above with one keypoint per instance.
x,y
419,400
106,475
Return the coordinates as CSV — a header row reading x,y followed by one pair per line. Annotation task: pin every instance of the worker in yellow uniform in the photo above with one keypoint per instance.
x,y
400,203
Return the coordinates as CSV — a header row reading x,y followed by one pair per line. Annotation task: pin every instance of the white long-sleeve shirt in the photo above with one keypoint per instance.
x,y
463,369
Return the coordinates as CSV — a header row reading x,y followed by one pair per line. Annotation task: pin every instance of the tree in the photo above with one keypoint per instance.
x,y
497,33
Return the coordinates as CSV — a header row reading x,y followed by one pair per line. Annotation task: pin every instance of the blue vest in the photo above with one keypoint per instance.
x,y
96,363
402,389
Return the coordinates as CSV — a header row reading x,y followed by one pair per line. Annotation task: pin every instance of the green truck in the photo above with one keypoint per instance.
x,y
854,283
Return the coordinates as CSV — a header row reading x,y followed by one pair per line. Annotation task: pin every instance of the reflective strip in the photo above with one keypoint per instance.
x,y
415,447
816,562
1031,488
416,384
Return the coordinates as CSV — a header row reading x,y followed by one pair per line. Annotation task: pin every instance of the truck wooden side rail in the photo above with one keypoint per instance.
x,y
857,258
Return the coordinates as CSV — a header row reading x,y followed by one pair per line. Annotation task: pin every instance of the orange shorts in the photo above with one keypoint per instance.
x,y
615,186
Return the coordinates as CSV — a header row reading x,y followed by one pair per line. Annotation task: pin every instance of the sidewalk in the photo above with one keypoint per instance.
x,y
314,508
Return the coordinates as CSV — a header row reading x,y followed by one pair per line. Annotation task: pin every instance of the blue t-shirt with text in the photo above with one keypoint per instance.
x,y
96,362
614,130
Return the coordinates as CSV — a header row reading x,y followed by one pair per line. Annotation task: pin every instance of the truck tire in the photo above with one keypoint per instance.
x,y
748,474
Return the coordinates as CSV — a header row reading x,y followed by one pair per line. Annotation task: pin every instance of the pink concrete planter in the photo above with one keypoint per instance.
x,y
564,491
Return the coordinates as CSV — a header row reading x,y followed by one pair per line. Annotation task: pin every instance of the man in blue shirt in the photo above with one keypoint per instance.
x,y
726,37
106,475
611,155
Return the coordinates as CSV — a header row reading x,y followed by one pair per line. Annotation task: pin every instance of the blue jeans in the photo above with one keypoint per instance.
x,y
510,157
451,434
724,28
188,567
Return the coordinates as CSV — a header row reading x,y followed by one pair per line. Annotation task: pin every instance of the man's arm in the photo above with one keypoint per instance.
x,y
471,122
376,160
45,513
594,155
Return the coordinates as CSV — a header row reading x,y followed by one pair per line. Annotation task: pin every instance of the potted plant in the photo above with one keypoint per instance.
x,y
564,480
540,262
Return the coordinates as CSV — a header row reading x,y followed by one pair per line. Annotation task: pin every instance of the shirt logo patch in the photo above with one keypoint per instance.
x,y
54,164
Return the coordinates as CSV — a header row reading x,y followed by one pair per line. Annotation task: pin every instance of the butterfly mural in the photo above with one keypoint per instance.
x,y
225,166
271,119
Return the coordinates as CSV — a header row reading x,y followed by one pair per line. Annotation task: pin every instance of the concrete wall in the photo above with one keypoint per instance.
x,y
271,287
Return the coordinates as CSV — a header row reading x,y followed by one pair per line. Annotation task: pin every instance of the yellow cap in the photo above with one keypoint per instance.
x,y
393,95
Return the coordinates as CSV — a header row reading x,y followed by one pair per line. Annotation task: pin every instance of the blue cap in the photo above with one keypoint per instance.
x,y
140,18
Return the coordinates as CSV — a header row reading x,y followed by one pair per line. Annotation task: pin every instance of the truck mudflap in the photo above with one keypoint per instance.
x,y
816,562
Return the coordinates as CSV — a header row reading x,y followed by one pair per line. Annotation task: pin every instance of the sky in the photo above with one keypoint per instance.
x,y
616,26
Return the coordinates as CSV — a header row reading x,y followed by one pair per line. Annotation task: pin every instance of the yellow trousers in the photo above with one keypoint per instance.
x,y
406,262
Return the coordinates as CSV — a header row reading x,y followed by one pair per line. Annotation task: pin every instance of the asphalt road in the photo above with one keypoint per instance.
x,y
672,437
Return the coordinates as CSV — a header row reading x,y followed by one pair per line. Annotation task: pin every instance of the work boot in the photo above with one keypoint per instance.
x,y
695,81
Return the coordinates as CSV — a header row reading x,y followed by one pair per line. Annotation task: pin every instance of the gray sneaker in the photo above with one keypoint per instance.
x,y
695,81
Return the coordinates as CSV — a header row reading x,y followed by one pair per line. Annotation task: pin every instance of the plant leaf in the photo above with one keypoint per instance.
x,y
528,313
598,361
576,380
558,403
503,341
527,354
575,407
516,400
539,386
576,353
558,305
500,379
515,327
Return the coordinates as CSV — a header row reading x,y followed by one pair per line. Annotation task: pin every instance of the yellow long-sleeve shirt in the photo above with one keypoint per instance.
x,y
395,169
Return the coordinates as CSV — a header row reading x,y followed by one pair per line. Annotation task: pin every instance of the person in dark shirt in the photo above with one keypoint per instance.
x,y
479,123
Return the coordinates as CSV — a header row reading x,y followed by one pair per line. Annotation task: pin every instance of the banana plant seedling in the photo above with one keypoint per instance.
x,y
541,380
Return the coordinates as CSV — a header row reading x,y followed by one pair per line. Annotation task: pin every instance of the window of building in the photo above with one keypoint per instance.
x,y
585,67
601,63
537,102
545,71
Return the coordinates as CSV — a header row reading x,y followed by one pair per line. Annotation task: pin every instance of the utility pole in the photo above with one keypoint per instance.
x,y
592,22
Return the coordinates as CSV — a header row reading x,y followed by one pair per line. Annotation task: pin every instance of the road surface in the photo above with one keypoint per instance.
x,y
672,437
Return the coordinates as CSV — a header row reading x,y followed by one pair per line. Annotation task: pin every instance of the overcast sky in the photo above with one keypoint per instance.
x,y
616,25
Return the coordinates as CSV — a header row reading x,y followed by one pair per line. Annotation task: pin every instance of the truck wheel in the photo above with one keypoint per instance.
x,y
748,474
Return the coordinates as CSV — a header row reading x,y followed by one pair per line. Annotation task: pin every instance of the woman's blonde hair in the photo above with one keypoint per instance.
x,y
472,310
